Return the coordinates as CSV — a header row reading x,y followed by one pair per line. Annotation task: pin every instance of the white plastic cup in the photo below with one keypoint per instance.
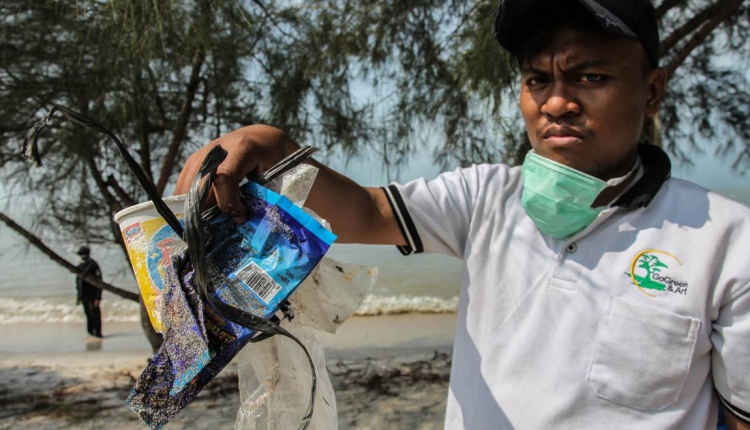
x,y
149,241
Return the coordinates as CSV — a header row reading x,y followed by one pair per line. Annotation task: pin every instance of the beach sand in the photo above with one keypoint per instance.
x,y
389,372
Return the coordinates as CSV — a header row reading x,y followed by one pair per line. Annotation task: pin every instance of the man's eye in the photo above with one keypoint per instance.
x,y
592,78
536,80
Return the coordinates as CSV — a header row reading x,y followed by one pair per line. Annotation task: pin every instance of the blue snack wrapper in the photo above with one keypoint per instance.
x,y
242,273
253,267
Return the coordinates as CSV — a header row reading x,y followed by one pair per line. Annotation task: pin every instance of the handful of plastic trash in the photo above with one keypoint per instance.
x,y
211,286
218,299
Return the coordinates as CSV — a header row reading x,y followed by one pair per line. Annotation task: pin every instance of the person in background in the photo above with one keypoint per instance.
x,y
89,294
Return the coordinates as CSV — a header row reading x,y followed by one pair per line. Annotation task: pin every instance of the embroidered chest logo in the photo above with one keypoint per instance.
x,y
653,270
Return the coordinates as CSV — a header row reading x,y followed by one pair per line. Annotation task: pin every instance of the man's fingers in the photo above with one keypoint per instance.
x,y
243,153
227,192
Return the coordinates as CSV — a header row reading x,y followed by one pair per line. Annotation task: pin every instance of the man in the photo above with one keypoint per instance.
x,y
89,294
596,290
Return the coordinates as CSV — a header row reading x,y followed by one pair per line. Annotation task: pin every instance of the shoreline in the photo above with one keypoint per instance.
x,y
387,371
357,336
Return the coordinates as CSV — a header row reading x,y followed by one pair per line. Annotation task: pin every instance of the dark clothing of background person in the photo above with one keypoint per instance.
x,y
90,296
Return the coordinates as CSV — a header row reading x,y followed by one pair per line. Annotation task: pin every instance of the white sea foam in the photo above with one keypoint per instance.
x,y
64,309
389,305
53,309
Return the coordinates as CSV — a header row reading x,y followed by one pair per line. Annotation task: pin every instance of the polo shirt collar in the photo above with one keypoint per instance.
x,y
657,169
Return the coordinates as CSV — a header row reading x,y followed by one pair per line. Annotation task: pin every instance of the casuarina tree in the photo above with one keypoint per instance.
x,y
374,77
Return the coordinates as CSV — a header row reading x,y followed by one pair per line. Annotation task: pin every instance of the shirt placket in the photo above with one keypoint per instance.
x,y
572,254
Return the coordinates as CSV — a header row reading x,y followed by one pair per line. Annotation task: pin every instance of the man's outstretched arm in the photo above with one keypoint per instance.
x,y
734,423
357,214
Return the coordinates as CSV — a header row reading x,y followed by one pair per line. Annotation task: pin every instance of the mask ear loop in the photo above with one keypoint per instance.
x,y
196,235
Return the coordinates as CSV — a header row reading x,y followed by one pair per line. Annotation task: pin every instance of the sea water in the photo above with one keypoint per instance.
x,y
34,289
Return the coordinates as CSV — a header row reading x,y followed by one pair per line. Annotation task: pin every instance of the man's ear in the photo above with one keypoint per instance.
x,y
657,87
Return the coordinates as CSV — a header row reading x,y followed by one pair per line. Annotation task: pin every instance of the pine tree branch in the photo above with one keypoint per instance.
x,y
157,96
121,194
690,26
666,6
268,15
38,244
182,123
728,8
144,151
113,204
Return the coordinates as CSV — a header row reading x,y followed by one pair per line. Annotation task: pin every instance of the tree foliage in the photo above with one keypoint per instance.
x,y
367,76
706,50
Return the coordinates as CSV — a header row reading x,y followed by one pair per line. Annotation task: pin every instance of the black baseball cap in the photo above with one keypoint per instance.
x,y
518,20
84,250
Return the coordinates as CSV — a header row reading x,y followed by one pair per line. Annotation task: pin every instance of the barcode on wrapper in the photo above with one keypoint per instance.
x,y
258,281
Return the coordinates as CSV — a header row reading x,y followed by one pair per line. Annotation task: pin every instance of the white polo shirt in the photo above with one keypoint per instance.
x,y
632,323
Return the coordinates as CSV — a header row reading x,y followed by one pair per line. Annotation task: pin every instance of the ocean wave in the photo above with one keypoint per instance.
x,y
50,310
390,305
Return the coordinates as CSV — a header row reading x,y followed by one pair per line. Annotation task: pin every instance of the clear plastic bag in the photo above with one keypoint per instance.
x,y
274,381
273,375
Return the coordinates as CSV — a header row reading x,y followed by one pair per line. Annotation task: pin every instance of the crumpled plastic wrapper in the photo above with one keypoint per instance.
x,y
274,376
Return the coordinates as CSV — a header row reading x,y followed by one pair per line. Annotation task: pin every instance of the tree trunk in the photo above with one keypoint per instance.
x,y
180,129
721,14
57,258
154,338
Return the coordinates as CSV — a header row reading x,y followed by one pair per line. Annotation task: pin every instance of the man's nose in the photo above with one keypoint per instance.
x,y
561,102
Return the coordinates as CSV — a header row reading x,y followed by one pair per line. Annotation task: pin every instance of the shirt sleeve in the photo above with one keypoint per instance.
x,y
731,354
435,215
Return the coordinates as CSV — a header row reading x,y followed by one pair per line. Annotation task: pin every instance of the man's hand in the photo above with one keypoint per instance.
x,y
356,214
250,151
96,303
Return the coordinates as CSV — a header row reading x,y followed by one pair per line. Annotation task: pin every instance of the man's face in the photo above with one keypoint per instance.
x,y
584,98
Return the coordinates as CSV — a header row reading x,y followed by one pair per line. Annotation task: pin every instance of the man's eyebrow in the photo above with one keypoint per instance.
x,y
590,64
576,67
529,68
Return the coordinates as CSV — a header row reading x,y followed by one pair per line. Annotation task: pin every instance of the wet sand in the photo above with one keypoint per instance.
x,y
388,372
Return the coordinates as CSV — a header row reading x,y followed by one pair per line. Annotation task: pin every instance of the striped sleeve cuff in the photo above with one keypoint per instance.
x,y
405,223
743,416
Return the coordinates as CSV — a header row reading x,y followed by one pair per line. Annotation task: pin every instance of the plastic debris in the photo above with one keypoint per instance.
x,y
272,374
225,289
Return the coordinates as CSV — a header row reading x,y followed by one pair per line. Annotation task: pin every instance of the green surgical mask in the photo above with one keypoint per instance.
x,y
558,198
